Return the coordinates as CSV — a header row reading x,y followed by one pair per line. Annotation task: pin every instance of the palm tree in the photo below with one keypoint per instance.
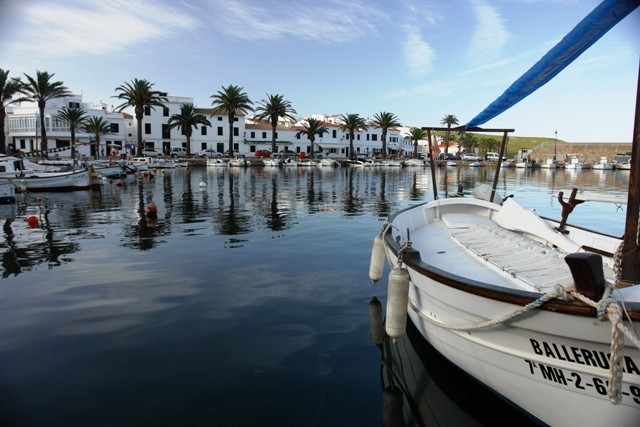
x,y
230,100
139,94
96,126
352,123
8,89
312,127
74,118
272,109
186,121
385,120
448,120
415,135
39,90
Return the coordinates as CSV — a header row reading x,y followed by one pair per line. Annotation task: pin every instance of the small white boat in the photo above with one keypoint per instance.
x,y
549,164
308,163
524,164
23,179
623,166
603,164
392,163
505,164
415,163
273,162
215,162
451,163
329,162
476,164
575,164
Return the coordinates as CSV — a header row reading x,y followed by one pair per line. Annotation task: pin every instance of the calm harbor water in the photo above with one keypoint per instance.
x,y
244,303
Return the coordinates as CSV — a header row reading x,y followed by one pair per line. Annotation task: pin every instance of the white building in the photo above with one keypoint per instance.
x,y
248,136
24,133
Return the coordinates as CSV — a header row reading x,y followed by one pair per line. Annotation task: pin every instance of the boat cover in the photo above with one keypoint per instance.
x,y
586,33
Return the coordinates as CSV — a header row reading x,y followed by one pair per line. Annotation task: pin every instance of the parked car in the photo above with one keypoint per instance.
x,y
449,156
150,152
287,153
210,154
494,157
178,152
471,157
263,153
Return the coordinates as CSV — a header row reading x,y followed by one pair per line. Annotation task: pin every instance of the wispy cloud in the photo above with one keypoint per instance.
x,y
95,26
328,22
419,55
490,34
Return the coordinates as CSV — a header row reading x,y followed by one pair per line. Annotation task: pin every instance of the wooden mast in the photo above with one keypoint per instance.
x,y
630,262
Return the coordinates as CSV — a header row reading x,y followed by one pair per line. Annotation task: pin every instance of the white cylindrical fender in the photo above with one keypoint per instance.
x,y
376,267
397,302
375,321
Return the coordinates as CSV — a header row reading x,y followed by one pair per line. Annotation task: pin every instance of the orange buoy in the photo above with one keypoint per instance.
x,y
151,210
32,220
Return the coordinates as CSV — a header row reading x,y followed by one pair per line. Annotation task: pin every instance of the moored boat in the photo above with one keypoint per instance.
x,y
539,311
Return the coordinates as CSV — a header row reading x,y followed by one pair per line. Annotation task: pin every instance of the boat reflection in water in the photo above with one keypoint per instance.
x,y
422,388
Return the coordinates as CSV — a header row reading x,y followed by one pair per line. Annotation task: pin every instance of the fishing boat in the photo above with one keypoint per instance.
x,y
539,311
13,171
549,164
603,164
215,162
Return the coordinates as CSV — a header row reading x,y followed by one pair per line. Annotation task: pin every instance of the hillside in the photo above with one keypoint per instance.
x,y
543,148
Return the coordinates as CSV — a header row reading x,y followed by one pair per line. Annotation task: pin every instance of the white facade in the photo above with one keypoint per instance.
x,y
24,133
248,135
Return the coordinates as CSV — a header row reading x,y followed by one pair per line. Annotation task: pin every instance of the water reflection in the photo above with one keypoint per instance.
x,y
236,202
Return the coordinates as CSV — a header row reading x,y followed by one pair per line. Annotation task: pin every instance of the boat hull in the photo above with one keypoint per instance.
x,y
54,181
552,362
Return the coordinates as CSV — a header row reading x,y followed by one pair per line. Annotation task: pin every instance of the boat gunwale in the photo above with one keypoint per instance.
x,y
412,259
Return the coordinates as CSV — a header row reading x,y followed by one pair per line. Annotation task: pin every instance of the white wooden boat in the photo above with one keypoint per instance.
x,y
539,311
623,166
524,164
476,164
215,162
549,164
329,162
53,181
12,171
603,164
575,164
308,163
415,162
485,288
273,162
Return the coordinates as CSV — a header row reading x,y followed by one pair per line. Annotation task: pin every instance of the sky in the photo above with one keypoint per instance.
x,y
418,59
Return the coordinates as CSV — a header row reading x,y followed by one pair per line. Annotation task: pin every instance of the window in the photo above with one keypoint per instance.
x,y
74,104
367,137
334,133
165,111
236,131
374,137
235,119
219,130
114,128
147,110
147,128
264,135
166,132
358,137
253,135
203,130
219,118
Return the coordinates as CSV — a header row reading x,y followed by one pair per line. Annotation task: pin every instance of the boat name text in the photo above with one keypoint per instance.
x,y
581,356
